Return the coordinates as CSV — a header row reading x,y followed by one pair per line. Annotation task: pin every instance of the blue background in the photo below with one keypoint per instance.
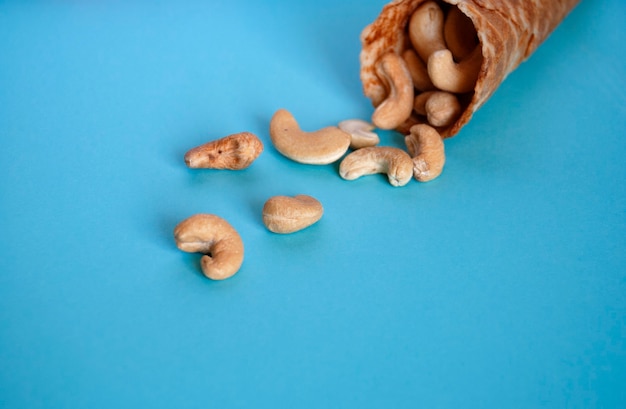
x,y
500,284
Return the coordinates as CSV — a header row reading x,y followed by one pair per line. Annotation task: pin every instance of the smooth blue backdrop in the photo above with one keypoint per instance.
x,y
502,284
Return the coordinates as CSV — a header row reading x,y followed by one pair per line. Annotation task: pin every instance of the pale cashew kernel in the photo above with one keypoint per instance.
x,y
233,152
419,104
459,33
426,30
317,148
360,133
442,108
397,107
216,239
284,214
396,163
417,69
450,76
426,147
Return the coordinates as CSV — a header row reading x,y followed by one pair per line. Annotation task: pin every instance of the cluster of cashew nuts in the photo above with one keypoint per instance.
x,y
427,81
424,84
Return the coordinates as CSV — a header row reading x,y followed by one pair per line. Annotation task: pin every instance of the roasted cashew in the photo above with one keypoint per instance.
x,y
233,152
417,69
419,103
459,33
396,163
216,239
442,108
426,147
397,107
361,135
426,29
284,214
449,76
317,148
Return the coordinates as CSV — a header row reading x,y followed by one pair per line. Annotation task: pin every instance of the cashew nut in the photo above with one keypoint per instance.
x,y
417,69
449,76
361,135
426,147
318,148
442,108
419,104
459,33
234,152
397,107
396,163
426,29
284,214
216,239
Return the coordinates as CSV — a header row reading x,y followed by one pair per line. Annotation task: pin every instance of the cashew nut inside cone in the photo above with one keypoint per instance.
x,y
397,107
447,75
321,147
459,33
396,163
426,29
216,239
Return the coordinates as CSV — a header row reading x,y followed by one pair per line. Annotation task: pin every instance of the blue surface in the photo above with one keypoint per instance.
x,y
500,284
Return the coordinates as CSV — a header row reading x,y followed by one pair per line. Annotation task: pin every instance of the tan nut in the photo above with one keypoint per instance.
x,y
417,69
419,103
426,29
284,214
397,107
442,108
396,163
450,76
459,33
426,147
216,239
233,152
317,148
361,135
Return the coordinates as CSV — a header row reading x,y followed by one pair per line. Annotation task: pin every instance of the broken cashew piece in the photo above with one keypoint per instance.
x,y
316,148
284,214
417,69
397,107
361,135
449,76
216,239
426,147
234,152
396,163
459,33
426,30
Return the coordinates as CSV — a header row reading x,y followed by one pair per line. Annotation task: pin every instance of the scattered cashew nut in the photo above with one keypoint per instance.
x,y
426,29
318,148
361,135
426,147
396,163
236,151
397,107
216,239
284,214
459,33
450,76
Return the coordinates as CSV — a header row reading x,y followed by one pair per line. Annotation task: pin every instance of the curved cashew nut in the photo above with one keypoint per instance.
x,y
417,69
396,163
234,152
284,214
360,133
397,107
459,33
216,239
419,104
426,29
317,148
452,77
426,147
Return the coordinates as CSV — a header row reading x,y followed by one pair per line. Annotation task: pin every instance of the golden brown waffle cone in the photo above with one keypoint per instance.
x,y
509,31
